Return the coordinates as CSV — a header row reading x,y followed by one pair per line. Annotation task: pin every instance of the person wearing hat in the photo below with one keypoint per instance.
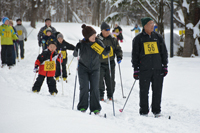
x,y
62,46
7,34
47,38
88,69
45,65
118,30
136,29
42,31
22,34
149,60
115,51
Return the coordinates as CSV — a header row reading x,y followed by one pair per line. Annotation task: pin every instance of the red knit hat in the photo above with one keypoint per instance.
x,y
87,31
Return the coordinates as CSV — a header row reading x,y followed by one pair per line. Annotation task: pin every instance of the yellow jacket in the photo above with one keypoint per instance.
x,y
7,34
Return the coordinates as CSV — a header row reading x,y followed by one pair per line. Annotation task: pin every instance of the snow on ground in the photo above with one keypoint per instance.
x,y
25,112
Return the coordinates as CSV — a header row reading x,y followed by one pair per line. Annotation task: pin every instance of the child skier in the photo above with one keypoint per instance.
x,y
62,46
22,33
136,29
7,36
46,62
88,69
47,38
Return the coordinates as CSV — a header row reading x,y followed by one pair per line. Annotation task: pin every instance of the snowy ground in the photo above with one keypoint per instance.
x,y
25,112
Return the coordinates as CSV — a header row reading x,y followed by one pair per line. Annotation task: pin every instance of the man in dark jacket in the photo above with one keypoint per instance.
x,y
149,60
42,31
62,47
108,40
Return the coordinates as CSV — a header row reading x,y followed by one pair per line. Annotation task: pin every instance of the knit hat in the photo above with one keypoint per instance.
x,y
52,42
4,19
145,20
48,29
87,31
104,26
60,35
19,19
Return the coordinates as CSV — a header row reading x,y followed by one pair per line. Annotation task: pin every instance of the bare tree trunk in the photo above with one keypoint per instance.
x,y
98,11
34,11
160,19
94,17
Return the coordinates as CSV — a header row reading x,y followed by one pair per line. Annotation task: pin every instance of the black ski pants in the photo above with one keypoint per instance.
x,y
105,77
50,82
156,79
21,45
6,54
89,89
64,70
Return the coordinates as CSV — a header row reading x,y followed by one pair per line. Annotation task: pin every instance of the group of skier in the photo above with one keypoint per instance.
x,y
12,38
96,63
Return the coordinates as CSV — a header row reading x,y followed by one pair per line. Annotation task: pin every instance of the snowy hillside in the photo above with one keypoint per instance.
x,y
22,111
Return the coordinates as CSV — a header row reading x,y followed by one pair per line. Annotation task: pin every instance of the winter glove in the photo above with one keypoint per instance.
x,y
164,71
36,69
78,46
119,60
25,39
107,49
136,74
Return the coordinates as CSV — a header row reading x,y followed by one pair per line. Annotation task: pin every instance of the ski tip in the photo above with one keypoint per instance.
x,y
121,110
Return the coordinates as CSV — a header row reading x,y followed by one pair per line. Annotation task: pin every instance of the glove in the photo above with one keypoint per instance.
x,y
43,41
136,75
131,30
120,32
119,60
107,50
164,71
25,39
78,46
36,69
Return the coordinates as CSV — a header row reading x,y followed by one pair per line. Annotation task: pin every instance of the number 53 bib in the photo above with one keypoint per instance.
x,y
150,48
49,66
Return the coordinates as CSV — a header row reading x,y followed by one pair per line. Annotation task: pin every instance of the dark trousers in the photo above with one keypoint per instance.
x,y
14,52
21,44
89,89
105,77
156,79
6,54
64,70
50,82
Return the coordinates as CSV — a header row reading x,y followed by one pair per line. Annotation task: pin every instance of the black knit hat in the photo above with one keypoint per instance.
x,y
19,19
47,19
52,42
104,26
87,31
145,20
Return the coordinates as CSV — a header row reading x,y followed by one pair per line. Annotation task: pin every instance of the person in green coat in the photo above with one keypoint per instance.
x,y
7,34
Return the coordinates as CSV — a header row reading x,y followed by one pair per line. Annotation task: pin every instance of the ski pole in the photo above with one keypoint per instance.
x,y
61,73
69,65
111,84
121,110
121,82
34,78
75,79
30,32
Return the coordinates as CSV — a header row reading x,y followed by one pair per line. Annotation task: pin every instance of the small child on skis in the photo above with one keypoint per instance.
x,y
89,68
47,38
7,34
62,46
46,62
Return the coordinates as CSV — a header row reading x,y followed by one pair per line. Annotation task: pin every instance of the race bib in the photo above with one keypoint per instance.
x,y
99,49
7,34
110,54
63,54
19,32
117,30
136,31
150,48
49,66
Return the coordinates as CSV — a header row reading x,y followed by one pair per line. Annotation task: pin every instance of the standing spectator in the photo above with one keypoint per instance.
x,y
115,50
22,33
7,36
149,60
42,31
14,52
136,29
118,30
